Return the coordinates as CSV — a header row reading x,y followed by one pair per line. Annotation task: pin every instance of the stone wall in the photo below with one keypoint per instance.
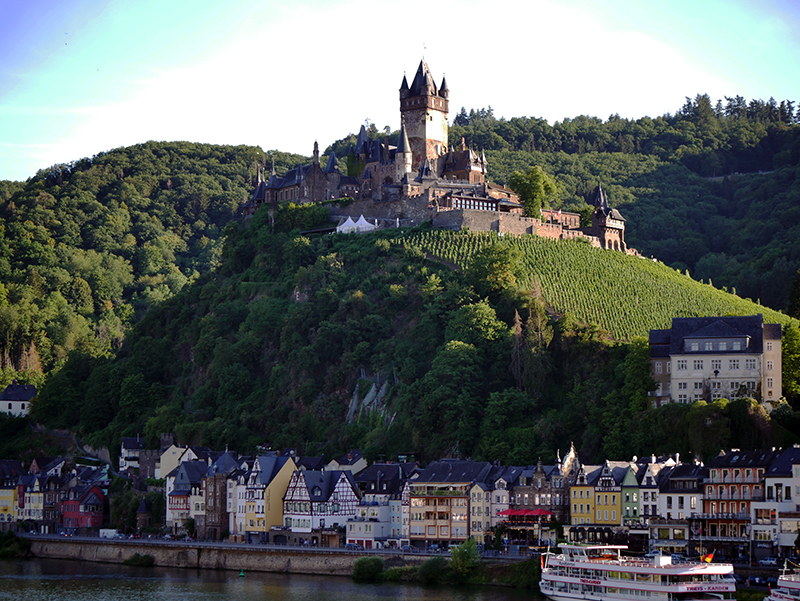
x,y
211,557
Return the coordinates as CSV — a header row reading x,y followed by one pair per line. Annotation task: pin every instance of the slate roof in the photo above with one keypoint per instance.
x,y
268,468
321,483
751,326
18,392
745,459
351,458
310,463
782,465
683,471
422,80
133,442
188,474
455,470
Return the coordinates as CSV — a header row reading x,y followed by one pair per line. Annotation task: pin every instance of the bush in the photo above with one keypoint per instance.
x,y
140,560
399,573
433,570
367,568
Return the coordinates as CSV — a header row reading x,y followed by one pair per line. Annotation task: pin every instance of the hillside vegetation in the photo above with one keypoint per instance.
x,y
376,341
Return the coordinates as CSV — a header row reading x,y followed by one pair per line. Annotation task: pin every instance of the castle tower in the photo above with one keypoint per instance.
x,y
423,112
607,223
403,155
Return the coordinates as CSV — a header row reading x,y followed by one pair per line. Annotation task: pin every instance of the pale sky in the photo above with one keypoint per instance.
x,y
79,77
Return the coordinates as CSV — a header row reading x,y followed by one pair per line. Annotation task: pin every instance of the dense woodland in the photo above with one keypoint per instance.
x,y
128,280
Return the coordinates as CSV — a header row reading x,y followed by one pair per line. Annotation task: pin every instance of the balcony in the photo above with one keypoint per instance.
x,y
721,516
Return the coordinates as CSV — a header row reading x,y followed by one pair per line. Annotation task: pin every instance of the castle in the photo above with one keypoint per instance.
x,y
421,178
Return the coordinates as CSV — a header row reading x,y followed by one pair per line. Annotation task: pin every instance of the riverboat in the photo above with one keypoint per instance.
x,y
601,572
788,587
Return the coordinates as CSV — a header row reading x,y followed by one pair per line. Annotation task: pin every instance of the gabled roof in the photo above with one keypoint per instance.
x,y
321,483
355,455
266,467
224,464
18,392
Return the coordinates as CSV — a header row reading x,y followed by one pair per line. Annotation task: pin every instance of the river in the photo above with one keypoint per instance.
x,y
62,580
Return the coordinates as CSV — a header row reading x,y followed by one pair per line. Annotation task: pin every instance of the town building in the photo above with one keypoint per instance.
x,y
707,358
775,520
316,505
440,496
735,481
16,398
267,485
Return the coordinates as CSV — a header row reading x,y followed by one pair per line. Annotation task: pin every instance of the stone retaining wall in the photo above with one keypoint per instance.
x,y
211,557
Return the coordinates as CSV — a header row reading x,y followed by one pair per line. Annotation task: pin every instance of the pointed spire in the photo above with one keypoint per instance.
x,y
361,140
444,91
332,166
316,153
402,140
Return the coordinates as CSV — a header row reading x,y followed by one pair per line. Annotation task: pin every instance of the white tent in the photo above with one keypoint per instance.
x,y
362,225
346,227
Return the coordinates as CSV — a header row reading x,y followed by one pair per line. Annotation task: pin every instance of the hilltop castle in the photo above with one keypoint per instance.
x,y
421,178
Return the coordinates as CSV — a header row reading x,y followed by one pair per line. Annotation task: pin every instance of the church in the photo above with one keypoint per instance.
x,y
421,178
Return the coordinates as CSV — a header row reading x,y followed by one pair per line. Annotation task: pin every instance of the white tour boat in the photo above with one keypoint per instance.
x,y
601,572
788,588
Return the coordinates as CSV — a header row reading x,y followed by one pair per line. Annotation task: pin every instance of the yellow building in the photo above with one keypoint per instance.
x,y
266,487
582,495
608,493
480,507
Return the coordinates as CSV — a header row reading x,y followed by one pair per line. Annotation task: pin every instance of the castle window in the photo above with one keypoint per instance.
x,y
723,346
709,346
769,346
697,365
736,346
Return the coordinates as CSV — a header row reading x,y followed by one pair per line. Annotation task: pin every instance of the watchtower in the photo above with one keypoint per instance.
x,y
423,113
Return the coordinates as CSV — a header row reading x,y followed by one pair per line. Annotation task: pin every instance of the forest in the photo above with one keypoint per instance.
x,y
133,297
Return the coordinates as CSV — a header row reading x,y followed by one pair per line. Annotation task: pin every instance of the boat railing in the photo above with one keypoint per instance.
x,y
628,562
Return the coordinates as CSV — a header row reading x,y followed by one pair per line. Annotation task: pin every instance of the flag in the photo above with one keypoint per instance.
x,y
542,558
707,558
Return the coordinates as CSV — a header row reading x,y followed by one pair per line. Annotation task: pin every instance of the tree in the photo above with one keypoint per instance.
x,y
465,558
495,268
535,188
793,309
790,351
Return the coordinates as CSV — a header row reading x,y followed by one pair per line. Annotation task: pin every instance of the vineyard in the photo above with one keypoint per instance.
x,y
626,295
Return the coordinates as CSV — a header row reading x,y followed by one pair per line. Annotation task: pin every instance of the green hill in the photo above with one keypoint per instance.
x,y
397,342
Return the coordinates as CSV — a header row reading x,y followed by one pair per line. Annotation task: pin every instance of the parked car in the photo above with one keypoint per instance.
x,y
678,557
353,547
407,549
768,561
652,554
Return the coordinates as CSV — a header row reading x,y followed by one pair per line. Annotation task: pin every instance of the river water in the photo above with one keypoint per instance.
x,y
60,580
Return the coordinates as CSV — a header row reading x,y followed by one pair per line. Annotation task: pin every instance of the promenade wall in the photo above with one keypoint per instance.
x,y
209,557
